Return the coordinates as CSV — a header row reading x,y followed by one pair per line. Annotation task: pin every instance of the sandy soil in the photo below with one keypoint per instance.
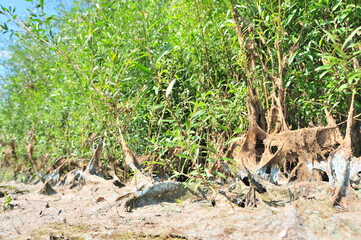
x,y
92,213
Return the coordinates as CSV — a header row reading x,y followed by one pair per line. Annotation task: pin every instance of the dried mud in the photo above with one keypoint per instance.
x,y
298,211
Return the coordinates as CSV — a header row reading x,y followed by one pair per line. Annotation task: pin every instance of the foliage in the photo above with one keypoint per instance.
x,y
7,205
172,74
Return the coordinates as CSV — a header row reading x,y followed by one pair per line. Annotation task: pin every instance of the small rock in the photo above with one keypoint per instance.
x,y
118,183
100,199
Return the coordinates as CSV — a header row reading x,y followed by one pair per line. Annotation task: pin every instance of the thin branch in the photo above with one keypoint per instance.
x,y
293,48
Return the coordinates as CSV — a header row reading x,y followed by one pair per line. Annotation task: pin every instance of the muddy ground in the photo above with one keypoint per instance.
x,y
298,211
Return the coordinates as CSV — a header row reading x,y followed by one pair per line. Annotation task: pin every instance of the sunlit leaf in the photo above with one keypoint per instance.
x,y
221,175
324,67
165,52
353,33
354,76
170,87
330,36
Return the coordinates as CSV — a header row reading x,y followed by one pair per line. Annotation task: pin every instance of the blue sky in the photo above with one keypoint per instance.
x,y
21,6
22,11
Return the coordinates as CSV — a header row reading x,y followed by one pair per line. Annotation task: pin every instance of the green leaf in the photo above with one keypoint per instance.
x,y
165,52
292,57
166,120
113,57
336,6
222,127
330,36
343,87
197,184
183,156
234,139
197,114
194,173
348,39
156,106
153,25
324,73
143,68
4,9
221,175
324,67
353,76
5,27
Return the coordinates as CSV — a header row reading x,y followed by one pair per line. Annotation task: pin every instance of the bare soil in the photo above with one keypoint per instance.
x,y
298,211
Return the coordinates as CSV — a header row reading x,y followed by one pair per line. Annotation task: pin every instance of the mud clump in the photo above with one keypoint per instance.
x,y
47,189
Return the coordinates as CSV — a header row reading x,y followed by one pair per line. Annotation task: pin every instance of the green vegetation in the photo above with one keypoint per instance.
x,y
175,76
7,203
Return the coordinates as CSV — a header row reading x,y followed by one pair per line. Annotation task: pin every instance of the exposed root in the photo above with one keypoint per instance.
x,y
74,178
142,189
93,166
30,149
158,192
251,197
146,190
342,168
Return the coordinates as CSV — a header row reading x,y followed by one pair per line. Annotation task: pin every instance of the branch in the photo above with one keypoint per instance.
x,y
293,48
